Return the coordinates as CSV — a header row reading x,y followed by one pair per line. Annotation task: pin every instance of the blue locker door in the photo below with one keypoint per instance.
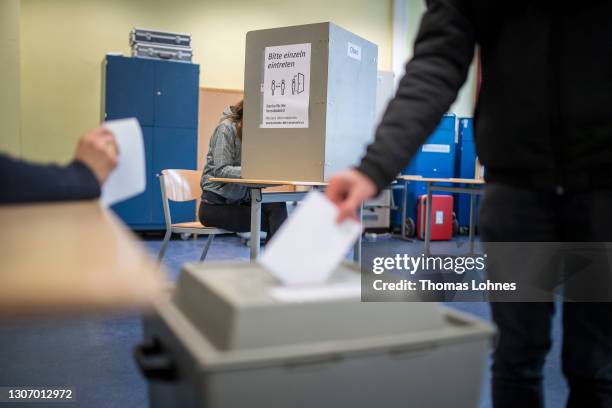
x,y
176,101
136,211
129,89
173,149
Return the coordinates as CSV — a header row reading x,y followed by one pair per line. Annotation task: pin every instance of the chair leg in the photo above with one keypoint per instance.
x,y
207,246
162,250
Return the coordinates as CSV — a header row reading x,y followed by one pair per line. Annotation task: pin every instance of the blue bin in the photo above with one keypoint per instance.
x,y
436,158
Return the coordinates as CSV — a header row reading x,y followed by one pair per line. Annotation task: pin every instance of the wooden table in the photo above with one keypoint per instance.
x,y
71,257
258,197
472,187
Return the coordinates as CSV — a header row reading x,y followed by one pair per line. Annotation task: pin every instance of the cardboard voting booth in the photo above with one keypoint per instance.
x,y
309,101
230,335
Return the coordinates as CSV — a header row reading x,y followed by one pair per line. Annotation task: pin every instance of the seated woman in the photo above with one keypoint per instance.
x,y
227,206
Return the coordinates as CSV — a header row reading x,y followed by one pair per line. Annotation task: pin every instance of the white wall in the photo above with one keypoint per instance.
x,y
464,104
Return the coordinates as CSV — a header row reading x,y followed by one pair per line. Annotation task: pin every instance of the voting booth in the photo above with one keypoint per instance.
x,y
229,335
309,101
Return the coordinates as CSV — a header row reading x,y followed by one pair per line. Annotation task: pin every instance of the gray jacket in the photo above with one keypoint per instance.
x,y
223,160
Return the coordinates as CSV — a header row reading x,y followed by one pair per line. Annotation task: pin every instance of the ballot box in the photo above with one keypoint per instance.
x,y
309,101
230,336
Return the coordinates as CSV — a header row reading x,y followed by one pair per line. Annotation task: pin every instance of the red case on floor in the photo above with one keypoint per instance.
x,y
441,217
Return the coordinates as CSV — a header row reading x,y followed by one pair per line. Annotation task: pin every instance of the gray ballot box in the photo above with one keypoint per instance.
x,y
229,335
309,101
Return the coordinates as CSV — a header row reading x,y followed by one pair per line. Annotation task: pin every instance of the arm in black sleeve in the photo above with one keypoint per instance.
x,y
442,55
24,182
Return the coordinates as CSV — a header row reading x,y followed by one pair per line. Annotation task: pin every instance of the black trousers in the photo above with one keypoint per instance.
x,y
237,217
513,214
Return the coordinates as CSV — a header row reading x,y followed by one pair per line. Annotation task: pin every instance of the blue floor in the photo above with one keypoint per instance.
x,y
93,355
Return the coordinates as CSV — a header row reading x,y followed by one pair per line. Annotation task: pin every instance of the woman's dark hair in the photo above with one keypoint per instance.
x,y
236,117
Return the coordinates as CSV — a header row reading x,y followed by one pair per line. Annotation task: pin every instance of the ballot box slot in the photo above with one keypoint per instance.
x,y
413,350
316,363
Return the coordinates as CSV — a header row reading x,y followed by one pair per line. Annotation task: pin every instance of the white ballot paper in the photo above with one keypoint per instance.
x,y
310,244
129,177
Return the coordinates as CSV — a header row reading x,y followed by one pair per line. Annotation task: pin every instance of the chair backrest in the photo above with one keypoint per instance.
x,y
178,185
182,185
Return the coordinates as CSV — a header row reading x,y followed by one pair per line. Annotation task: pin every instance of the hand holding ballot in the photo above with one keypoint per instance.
x,y
114,152
98,150
311,244
348,190
109,161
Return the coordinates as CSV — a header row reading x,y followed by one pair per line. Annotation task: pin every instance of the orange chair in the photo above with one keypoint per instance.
x,y
183,185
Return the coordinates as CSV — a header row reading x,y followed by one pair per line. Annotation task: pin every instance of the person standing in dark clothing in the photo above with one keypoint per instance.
x,y
26,182
543,129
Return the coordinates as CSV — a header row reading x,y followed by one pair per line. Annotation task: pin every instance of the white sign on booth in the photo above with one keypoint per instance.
x,y
286,87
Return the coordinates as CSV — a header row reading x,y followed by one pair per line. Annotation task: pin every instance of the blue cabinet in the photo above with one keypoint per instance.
x,y
163,96
435,158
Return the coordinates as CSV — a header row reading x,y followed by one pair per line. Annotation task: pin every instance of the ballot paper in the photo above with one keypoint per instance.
x,y
310,244
128,178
